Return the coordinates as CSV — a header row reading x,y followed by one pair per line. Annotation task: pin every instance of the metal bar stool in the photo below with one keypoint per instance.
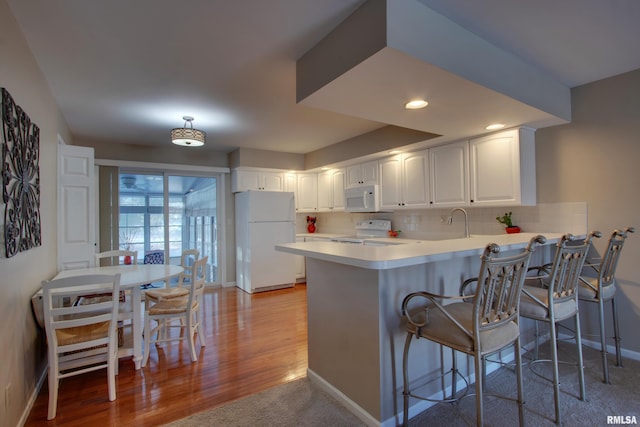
x,y
602,288
484,327
553,297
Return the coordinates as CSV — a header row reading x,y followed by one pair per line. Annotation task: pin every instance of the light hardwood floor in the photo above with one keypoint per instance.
x,y
254,342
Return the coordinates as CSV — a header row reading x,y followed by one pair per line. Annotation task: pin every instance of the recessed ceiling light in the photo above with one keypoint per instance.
x,y
416,104
495,126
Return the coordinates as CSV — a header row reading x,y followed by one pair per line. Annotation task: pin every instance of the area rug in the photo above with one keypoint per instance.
x,y
297,403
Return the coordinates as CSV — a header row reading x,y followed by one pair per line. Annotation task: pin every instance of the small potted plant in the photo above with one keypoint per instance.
x,y
508,223
393,233
311,224
127,238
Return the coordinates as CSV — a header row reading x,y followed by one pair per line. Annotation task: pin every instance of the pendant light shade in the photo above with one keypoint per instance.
x,y
187,136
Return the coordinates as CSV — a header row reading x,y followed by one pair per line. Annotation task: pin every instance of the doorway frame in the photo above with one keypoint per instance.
x,y
222,176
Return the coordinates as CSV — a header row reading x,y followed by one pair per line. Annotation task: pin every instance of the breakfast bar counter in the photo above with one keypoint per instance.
x,y
354,296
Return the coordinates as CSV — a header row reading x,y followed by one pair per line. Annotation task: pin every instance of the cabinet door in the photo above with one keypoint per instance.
x,y
291,185
245,180
254,180
300,264
363,173
338,183
449,170
272,181
391,182
415,188
353,175
308,192
495,169
325,188
369,173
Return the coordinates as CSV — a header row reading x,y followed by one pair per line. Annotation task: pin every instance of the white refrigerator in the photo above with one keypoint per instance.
x,y
263,220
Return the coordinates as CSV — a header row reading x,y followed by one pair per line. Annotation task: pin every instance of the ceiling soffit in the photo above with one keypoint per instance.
x,y
388,52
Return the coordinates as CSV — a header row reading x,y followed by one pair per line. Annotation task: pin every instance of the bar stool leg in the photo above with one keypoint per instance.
x,y
556,375
518,356
616,333
603,343
405,377
583,392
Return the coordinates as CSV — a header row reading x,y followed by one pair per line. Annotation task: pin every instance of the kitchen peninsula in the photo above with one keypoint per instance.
x,y
354,294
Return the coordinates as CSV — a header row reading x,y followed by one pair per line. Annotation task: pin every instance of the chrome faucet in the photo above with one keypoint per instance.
x,y
449,220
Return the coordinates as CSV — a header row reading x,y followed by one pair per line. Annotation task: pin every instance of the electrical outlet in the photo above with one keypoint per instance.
x,y
7,396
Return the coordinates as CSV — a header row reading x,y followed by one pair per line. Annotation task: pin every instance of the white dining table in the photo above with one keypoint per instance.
x,y
132,277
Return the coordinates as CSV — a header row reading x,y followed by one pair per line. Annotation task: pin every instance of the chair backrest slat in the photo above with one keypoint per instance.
x,y
607,269
198,279
567,265
499,284
92,312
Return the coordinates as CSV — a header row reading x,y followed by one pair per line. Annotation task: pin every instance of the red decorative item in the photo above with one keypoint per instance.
x,y
311,224
512,230
127,259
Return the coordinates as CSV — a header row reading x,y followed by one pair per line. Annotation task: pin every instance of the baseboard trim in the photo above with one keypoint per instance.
x,y
353,407
33,397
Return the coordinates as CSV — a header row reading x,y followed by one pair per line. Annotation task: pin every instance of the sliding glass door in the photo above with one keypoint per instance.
x,y
171,213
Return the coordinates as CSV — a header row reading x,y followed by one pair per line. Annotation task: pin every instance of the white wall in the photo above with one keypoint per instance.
x,y
595,159
23,347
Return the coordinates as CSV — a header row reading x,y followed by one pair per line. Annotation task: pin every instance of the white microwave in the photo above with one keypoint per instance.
x,y
362,199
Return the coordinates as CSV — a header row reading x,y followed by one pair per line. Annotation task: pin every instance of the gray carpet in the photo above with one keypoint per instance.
x,y
300,403
297,403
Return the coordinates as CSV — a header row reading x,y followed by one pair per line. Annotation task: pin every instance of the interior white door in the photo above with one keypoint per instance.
x,y
76,207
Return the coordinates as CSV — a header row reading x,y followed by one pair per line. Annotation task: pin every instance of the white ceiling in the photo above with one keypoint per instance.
x,y
127,71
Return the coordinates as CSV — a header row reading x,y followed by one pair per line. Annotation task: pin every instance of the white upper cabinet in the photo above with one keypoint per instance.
x,y
256,180
362,174
404,181
449,172
502,169
331,190
307,194
291,185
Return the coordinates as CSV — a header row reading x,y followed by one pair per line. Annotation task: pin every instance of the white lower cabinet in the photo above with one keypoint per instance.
x,y
300,264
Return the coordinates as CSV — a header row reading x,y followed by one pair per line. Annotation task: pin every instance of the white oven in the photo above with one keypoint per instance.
x,y
365,230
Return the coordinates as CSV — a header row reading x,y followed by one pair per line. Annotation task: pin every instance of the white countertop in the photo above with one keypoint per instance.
x,y
324,235
411,252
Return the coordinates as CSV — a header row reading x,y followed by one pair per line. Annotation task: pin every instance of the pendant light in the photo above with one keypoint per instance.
x,y
187,136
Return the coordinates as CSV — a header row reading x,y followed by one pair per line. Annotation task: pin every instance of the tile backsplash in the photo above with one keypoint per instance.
x,y
428,224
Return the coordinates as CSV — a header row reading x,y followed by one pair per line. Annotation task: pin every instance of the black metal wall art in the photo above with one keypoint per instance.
x,y
20,178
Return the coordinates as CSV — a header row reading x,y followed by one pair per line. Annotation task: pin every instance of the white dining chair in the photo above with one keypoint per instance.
x,y
186,308
80,338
